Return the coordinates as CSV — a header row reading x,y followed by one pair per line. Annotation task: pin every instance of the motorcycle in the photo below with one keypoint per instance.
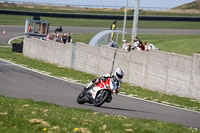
x,y
98,94
58,29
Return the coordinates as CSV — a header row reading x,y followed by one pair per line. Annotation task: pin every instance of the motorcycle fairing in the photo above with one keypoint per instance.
x,y
103,86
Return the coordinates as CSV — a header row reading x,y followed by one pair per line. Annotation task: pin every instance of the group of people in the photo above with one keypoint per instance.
x,y
137,45
66,37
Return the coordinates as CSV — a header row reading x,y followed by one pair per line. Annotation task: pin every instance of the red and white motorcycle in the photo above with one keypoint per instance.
x,y
98,94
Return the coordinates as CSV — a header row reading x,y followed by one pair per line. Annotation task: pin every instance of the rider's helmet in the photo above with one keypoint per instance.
x,y
119,74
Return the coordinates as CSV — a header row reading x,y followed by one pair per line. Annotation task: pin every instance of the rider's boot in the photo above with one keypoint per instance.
x,y
91,84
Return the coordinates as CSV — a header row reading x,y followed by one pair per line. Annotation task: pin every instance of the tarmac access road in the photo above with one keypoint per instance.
x,y
14,31
18,82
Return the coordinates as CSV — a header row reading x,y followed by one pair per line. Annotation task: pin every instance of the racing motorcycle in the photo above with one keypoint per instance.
x,y
98,94
58,29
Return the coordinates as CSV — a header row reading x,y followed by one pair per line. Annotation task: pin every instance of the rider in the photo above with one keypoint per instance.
x,y
116,77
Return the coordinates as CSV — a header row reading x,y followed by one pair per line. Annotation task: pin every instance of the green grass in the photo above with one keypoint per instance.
x,y
17,40
56,9
180,44
160,97
81,77
20,20
184,13
24,115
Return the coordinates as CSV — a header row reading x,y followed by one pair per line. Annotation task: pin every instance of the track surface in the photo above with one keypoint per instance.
x,y
13,31
18,82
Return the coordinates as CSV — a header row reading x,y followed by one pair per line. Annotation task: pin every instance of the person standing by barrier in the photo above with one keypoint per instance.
x,y
112,44
64,38
57,38
48,37
126,46
149,46
29,28
136,42
140,47
69,38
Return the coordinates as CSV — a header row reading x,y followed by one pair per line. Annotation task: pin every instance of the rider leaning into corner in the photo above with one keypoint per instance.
x,y
116,78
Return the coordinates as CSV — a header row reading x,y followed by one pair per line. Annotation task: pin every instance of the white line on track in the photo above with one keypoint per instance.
x,y
84,85
14,39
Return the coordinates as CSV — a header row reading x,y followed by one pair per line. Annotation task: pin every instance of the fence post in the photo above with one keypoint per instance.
x,y
73,56
113,61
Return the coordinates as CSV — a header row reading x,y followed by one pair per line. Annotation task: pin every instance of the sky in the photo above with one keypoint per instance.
x,y
143,3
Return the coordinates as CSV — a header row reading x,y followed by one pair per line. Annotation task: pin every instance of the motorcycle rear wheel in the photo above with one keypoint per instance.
x,y
104,95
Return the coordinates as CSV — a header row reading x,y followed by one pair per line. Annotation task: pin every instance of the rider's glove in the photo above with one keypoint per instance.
x,y
97,81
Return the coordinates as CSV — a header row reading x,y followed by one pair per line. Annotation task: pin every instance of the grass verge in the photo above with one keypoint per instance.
x,y
180,44
24,115
20,20
81,77
17,40
106,11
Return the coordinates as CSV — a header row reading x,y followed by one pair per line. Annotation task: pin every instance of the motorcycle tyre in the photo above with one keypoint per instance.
x,y
80,99
107,93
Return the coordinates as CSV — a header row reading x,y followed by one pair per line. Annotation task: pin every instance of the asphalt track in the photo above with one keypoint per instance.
x,y
14,31
19,82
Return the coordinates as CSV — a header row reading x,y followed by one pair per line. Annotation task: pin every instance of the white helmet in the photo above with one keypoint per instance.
x,y
119,74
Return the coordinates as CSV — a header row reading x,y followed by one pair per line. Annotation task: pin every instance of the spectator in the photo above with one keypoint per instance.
x,y
140,46
48,37
64,38
57,37
69,38
136,42
126,46
146,47
54,35
29,28
149,46
112,44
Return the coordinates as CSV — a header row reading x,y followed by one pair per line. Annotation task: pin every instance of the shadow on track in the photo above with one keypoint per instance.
x,y
122,109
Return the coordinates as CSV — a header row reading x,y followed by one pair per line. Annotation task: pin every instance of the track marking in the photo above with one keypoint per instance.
x,y
84,85
13,39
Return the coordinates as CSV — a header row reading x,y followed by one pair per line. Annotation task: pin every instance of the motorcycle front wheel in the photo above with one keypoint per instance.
x,y
80,98
101,97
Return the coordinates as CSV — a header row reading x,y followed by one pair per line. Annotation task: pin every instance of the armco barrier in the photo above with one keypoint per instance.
x,y
155,70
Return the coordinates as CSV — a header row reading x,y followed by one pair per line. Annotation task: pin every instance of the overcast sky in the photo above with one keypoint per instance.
x,y
144,3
